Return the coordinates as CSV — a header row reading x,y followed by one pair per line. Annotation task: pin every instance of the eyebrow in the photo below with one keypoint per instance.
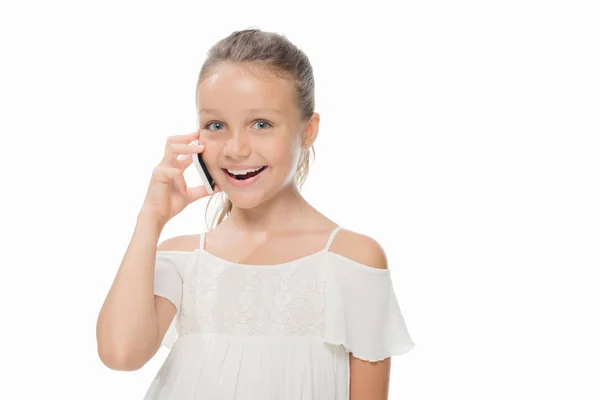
x,y
215,111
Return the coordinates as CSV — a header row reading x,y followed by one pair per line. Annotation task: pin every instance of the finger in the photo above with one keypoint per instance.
x,y
183,162
176,149
179,182
181,139
196,193
184,149
175,178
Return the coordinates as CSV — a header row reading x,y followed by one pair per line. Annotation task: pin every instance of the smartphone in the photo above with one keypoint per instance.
x,y
207,179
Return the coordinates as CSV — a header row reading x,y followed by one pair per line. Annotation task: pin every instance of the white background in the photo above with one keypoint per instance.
x,y
463,136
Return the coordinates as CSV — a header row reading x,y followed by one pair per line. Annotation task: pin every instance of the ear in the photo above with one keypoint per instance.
x,y
311,131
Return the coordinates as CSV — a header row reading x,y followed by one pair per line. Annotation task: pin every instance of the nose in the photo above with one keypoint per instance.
x,y
238,145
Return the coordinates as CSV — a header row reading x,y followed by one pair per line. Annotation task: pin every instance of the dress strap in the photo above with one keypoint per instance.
x,y
202,240
331,236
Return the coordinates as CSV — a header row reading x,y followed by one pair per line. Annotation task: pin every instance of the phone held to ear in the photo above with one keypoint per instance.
x,y
207,179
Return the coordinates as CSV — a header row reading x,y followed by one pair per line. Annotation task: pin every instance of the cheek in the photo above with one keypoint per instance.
x,y
208,139
279,152
210,154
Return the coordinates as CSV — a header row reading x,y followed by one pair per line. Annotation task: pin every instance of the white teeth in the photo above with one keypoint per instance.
x,y
242,171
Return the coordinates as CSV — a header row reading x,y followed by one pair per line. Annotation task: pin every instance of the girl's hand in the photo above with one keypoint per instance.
x,y
168,193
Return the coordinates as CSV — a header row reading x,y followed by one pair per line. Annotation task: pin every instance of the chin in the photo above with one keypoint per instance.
x,y
246,201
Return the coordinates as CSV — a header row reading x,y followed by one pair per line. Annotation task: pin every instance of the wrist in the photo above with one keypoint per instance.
x,y
149,219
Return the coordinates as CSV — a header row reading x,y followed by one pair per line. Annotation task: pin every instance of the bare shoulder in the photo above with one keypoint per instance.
x,y
360,248
180,243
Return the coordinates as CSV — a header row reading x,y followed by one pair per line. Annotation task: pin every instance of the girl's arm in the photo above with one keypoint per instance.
x,y
128,331
369,380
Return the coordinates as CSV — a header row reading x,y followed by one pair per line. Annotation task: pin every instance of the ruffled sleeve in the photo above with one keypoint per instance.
x,y
362,311
168,283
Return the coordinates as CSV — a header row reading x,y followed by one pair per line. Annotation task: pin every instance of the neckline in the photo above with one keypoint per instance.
x,y
259,266
349,261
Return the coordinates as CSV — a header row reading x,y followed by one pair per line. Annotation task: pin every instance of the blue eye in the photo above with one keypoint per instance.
x,y
210,123
263,121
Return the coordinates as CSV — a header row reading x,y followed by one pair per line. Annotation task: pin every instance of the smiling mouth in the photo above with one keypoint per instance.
x,y
246,176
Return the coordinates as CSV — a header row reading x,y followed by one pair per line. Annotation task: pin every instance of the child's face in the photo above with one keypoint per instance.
x,y
235,134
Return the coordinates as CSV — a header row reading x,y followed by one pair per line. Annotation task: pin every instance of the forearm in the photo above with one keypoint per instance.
x,y
126,330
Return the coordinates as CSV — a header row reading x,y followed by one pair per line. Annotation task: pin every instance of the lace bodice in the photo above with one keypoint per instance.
x,y
239,327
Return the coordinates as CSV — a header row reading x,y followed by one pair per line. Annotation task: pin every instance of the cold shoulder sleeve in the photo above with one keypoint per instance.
x,y
168,283
362,311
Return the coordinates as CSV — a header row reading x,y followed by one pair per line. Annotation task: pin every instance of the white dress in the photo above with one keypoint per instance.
x,y
267,332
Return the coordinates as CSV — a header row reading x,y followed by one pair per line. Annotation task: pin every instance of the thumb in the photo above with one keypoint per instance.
x,y
198,192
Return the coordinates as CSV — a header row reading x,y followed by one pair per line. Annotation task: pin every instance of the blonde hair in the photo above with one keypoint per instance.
x,y
276,54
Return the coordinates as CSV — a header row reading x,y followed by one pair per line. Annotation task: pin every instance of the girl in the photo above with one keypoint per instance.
x,y
275,301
